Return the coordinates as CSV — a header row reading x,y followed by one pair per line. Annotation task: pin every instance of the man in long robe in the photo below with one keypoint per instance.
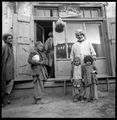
x,y
49,47
7,68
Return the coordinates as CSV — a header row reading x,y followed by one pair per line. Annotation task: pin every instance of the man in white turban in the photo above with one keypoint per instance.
x,y
82,47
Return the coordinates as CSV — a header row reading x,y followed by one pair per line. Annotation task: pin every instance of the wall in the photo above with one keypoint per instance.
x,y
111,11
7,12
8,9
24,8
111,23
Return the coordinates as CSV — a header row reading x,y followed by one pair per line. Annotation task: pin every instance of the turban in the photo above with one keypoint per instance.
x,y
79,31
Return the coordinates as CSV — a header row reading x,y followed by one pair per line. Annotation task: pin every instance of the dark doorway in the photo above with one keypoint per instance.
x,y
42,29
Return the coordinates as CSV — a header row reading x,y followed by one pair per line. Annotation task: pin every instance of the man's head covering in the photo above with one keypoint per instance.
x,y
50,34
79,31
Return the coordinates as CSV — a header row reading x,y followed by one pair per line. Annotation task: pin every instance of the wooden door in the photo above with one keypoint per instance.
x,y
62,64
112,42
39,32
23,32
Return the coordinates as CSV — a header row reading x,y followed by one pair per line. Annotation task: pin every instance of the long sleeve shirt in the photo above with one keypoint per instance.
x,y
88,75
82,49
49,47
38,69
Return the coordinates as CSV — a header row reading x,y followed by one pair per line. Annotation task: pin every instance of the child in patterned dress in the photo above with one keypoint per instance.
x,y
76,79
89,72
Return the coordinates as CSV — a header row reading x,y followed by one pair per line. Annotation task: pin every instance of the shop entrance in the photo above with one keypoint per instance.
x,y
42,29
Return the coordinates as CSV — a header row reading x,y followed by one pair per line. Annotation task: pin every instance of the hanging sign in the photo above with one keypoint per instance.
x,y
69,11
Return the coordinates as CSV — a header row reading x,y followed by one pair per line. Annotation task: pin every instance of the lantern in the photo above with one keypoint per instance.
x,y
59,26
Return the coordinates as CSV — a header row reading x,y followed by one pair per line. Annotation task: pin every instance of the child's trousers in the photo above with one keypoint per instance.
x,y
91,92
38,87
78,92
77,89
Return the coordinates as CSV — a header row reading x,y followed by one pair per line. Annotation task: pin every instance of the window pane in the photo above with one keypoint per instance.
x,y
71,28
87,13
55,13
47,13
60,45
40,12
94,13
113,30
93,35
81,13
70,34
69,49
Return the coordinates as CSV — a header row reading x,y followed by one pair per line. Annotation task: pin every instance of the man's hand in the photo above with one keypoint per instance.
x,y
40,62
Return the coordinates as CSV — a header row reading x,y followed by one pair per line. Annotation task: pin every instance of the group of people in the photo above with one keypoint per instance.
x,y
83,70
41,70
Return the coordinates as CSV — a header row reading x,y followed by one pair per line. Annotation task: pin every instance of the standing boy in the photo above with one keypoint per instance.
x,y
38,61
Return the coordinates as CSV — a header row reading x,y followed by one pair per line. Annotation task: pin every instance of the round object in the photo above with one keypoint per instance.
x,y
36,58
60,25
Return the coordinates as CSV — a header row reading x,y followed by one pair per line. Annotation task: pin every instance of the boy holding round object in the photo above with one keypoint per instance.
x,y
38,61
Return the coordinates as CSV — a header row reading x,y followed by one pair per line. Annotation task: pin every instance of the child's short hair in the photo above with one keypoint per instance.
x,y
88,58
77,60
37,43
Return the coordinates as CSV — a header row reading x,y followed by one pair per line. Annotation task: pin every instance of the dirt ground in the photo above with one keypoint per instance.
x,y
60,106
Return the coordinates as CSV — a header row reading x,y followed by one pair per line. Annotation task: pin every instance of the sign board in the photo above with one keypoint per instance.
x,y
69,11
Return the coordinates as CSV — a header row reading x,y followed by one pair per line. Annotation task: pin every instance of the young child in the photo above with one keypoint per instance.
x,y
89,72
76,79
38,61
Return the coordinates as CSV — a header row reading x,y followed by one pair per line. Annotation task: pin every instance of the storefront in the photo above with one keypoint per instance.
x,y
29,29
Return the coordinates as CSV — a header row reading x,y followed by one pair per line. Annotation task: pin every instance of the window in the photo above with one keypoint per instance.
x,y
45,12
71,38
93,35
90,12
87,14
94,13
60,45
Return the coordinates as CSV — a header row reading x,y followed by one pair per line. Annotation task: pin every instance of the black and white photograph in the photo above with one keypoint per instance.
x,y
58,59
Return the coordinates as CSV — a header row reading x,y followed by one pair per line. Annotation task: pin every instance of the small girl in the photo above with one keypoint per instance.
x,y
76,79
89,72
